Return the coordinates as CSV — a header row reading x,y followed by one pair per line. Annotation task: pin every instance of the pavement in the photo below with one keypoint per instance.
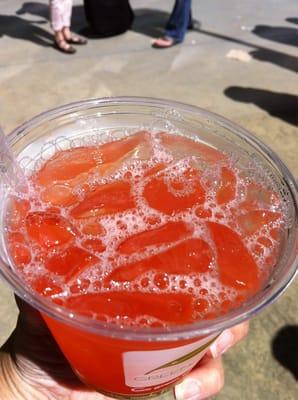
x,y
240,64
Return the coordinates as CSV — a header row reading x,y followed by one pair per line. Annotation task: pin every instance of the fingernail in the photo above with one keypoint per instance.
x,y
222,344
189,389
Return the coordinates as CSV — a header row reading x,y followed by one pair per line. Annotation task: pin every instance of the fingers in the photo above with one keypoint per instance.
x,y
208,378
228,338
240,331
203,382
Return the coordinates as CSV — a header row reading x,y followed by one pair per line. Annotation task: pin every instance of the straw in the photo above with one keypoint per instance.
x,y
11,173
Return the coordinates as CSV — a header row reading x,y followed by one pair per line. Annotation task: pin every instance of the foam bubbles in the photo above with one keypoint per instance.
x,y
101,235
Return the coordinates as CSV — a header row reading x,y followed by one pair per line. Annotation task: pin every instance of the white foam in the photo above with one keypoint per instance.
x,y
121,226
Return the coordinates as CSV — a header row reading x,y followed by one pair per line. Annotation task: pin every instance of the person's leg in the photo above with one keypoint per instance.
x,y
179,20
60,14
178,23
57,9
193,24
68,35
190,20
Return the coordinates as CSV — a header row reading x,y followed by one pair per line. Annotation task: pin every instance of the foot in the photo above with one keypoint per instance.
x,y
71,38
163,42
62,45
65,47
76,40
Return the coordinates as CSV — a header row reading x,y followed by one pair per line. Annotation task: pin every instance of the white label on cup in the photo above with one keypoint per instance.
x,y
155,367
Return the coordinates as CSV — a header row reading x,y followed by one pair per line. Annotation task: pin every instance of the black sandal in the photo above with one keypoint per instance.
x,y
76,40
63,46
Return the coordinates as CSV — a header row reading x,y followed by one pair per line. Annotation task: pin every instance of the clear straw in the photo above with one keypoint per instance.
x,y
11,173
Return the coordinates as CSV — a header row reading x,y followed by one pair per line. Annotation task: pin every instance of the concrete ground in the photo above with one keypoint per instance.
x,y
258,94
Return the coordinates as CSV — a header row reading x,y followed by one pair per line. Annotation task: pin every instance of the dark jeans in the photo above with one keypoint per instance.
x,y
179,21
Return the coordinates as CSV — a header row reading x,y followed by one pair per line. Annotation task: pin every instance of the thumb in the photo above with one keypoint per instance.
x,y
202,382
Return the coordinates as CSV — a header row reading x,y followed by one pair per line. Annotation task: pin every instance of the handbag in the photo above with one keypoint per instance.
x,y
108,17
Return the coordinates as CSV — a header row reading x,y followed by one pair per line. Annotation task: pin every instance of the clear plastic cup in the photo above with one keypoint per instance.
x,y
137,362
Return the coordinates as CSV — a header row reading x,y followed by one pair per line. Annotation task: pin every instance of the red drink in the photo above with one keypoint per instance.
x,y
153,230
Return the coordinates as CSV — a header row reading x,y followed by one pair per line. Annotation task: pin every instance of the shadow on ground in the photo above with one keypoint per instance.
x,y
285,348
150,22
260,53
280,34
280,105
34,8
19,28
292,20
278,58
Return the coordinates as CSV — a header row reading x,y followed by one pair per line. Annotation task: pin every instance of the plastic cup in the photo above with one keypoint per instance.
x,y
137,362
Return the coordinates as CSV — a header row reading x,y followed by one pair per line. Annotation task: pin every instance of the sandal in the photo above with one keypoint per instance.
x,y
64,47
76,40
164,42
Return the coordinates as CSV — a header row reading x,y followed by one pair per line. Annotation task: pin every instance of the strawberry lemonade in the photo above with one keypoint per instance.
x,y
152,230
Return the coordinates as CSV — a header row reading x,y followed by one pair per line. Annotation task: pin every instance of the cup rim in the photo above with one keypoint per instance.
x,y
194,330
